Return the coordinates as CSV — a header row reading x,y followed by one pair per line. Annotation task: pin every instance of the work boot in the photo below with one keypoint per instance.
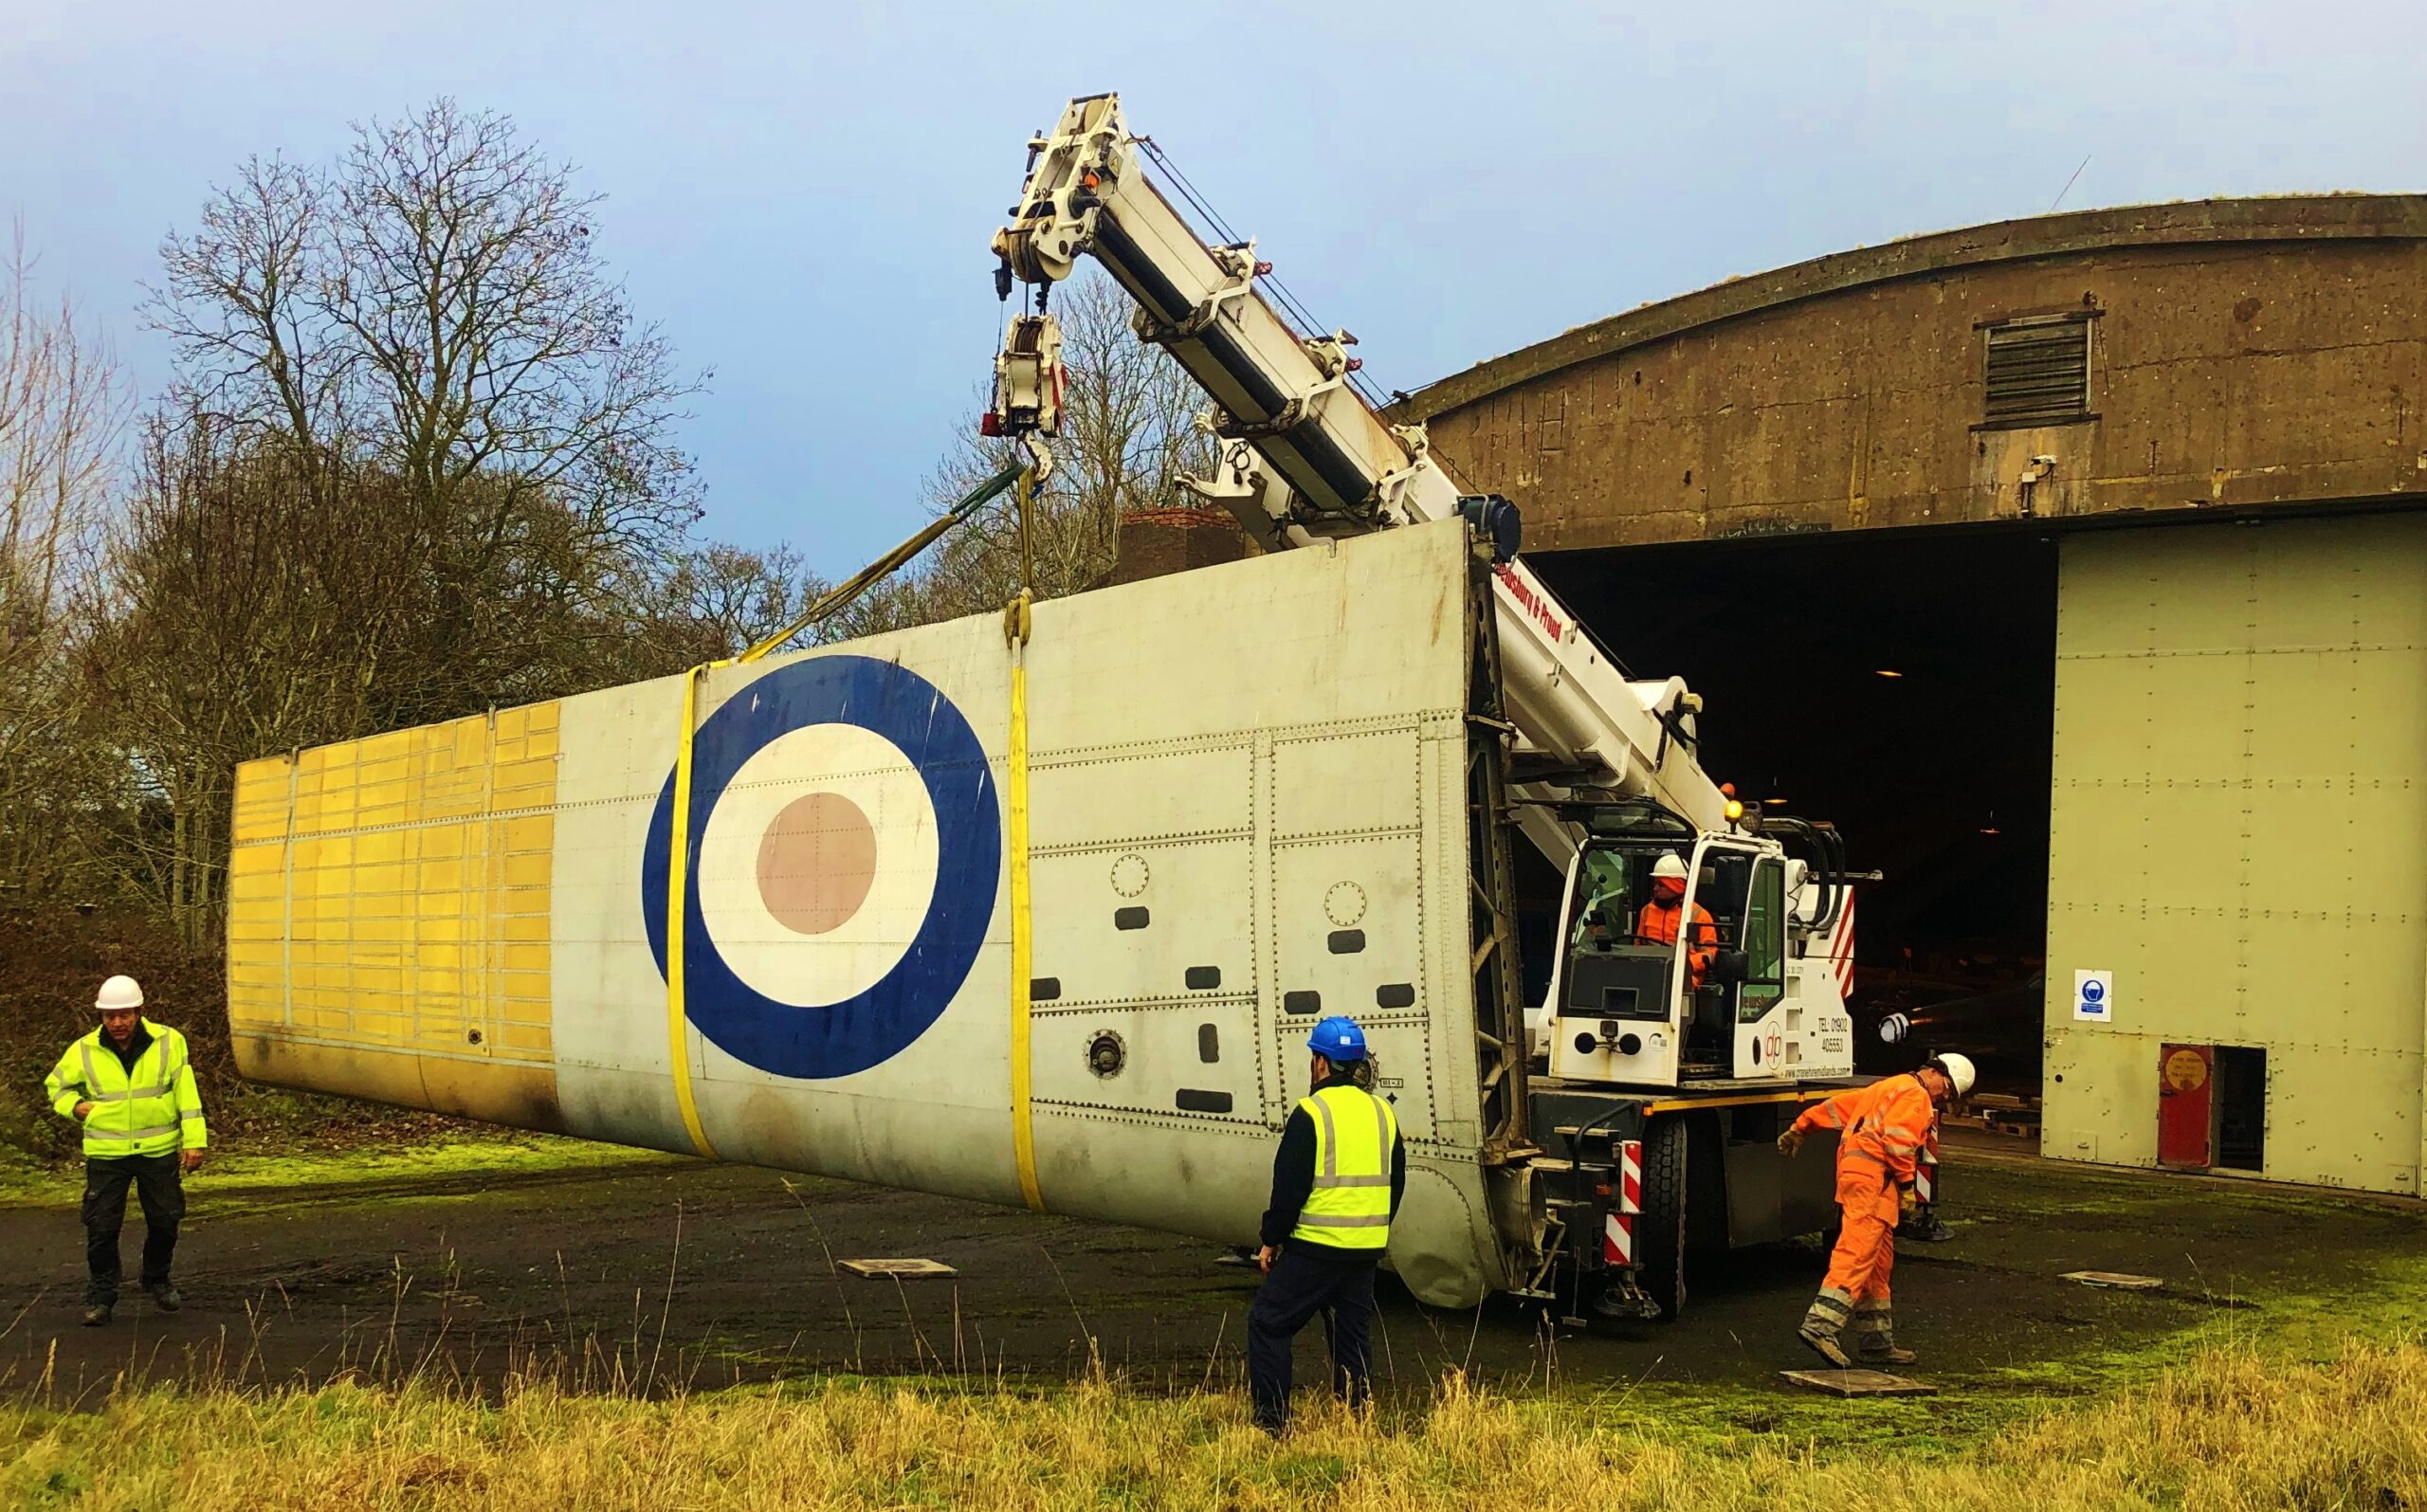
x,y
1823,1320
1874,1331
97,1315
1825,1345
164,1296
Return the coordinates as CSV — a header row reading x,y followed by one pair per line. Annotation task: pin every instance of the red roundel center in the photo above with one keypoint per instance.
x,y
816,863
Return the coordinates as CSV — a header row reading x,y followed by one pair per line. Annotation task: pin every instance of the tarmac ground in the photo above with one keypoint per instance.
x,y
662,1271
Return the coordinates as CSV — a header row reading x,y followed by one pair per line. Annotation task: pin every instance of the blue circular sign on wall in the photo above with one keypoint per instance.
x,y
872,1025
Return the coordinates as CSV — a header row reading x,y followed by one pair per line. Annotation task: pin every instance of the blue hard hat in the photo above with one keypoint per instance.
x,y
1338,1038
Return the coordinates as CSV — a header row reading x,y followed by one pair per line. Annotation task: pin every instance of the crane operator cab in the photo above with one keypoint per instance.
x,y
1673,961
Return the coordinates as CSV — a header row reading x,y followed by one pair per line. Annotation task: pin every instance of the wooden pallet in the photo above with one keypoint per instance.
x,y
2115,1279
905,1269
1859,1383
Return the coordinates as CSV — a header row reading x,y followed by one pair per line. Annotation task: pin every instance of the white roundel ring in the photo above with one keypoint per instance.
x,y
845,849
818,864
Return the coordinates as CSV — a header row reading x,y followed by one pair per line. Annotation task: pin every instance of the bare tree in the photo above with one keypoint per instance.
x,y
432,305
257,601
714,602
63,409
418,460
250,607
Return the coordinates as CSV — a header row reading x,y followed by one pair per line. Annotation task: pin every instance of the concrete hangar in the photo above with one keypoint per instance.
x,y
2077,567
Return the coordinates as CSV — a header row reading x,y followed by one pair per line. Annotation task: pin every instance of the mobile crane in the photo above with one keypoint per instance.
x,y
1647,1122
1099,883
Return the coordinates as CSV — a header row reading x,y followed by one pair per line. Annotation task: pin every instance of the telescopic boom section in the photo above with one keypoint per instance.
x,y
1303,455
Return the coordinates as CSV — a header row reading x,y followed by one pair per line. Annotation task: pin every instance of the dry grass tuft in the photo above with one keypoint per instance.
x,y
2230,1430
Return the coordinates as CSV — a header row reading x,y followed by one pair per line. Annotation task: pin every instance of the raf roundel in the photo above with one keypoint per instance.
x,y
845,846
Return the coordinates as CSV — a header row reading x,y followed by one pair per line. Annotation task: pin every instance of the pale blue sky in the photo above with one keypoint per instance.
x,y
802,194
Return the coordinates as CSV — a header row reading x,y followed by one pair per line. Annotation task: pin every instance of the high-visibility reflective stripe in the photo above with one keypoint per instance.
x,y
195,1117
93,1079
91,1133
132,1094
1352,1181
1345,1220
1330,1141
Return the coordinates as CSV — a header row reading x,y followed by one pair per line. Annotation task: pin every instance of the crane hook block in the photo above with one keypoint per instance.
x,y
1028,379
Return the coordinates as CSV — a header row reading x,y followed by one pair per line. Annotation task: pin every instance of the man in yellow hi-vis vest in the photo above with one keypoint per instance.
x,y
130,1084
1337,1181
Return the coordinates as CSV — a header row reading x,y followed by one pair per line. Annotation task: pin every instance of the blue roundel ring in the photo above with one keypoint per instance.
x,y
874,1025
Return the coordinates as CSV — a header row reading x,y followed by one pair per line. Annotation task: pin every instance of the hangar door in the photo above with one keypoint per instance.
x,y
2239,833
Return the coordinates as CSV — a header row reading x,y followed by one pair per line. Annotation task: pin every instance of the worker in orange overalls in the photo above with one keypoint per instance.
x,y
1882,1128
1658,922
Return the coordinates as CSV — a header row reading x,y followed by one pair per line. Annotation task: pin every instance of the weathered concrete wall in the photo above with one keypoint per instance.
x,y
2243,352
2239,833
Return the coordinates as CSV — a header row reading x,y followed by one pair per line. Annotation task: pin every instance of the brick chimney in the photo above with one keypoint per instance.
x,y
1173,539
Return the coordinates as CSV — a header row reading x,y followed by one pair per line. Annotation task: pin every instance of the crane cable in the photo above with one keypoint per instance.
x,y
1288,300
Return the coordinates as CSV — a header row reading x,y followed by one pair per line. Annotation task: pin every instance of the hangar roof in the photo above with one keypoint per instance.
x,y
2269,218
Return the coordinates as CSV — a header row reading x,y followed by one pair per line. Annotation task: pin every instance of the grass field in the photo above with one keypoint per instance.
x,y
2231,1429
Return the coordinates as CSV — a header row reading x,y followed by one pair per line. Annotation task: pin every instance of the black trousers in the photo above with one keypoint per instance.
x,y
1306,1278
160,1187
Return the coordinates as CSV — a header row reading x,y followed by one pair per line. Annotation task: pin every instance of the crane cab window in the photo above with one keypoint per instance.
x,y
1612,972
1605,907
1765,940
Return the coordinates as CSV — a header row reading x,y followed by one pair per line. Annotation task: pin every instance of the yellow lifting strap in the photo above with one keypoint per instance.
x,y
678,869
1016,624
884,566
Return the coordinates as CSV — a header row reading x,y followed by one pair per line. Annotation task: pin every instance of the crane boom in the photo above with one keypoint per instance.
x,y
1303,456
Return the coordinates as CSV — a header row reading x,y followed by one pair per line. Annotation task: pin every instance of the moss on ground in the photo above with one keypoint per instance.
x,y
233,1181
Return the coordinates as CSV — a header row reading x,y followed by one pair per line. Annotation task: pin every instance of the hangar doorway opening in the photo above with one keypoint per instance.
x,y
1901,687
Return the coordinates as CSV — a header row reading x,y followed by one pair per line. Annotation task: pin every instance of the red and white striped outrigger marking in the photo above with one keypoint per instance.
x,y
1841,948
1617,1234
1925,1168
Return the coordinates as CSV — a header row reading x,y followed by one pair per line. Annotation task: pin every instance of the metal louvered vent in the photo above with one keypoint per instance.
x,y
2039,370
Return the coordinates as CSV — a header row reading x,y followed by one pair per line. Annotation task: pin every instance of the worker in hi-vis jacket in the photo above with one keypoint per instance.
x,y
1337,1181
129,1087
1666,914
1881,1129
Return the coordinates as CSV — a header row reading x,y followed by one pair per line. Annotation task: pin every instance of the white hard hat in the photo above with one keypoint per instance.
x,y
1958,1070
118,993
1670,866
